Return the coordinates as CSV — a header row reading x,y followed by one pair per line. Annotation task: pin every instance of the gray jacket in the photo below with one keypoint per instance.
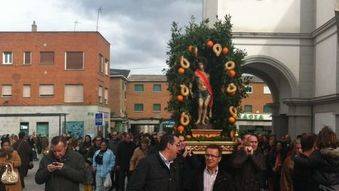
x,y
68,178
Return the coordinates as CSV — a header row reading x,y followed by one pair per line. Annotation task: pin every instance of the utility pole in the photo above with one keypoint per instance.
x,y
75,24
99,11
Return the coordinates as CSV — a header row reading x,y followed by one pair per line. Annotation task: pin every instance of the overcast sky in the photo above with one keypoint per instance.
x,y
138,30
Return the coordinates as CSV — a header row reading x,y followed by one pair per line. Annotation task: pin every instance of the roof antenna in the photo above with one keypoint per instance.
x,y
75,24
99,11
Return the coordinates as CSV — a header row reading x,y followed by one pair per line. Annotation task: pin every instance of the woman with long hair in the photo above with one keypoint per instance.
x,y
325,160
10,156
286,181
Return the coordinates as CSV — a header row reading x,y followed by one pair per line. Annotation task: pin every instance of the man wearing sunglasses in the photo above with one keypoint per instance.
x,y
157,172
211,177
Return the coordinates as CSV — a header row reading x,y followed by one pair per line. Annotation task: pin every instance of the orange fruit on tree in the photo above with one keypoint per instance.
x,y
209,44
231,73
181,71
180,128
225,50
180,98
232,120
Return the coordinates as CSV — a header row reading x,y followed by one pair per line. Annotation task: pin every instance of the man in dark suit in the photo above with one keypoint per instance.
x,y
211,177
157,172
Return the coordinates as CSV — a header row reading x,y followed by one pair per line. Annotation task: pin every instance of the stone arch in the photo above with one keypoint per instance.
x,y
281,82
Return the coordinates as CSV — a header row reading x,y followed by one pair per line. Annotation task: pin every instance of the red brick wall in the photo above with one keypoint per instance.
x,y
117,98
148,98
257,98
17,74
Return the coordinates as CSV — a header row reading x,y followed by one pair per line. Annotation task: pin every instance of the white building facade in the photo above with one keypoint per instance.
x,y
293,46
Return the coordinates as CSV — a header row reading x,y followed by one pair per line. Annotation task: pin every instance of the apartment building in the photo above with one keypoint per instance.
x,y
54,83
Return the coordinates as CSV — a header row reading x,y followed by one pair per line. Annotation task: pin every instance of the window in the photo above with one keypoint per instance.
x,y
7,58
248,108
106,96
26,91
74,61
138,107
100,94
156,107
46,57
6,90
46,90
106,66
74,94
267,90
249,89
101,64
157,87
267,108
27,58
42,128
139,87
24,127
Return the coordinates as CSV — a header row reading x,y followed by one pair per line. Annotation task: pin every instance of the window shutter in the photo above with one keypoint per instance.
x,y
74,60
6,90
74,94
26,91
27,58
46,57
46,90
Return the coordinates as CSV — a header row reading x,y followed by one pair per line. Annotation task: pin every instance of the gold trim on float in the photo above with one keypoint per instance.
x,y
199,147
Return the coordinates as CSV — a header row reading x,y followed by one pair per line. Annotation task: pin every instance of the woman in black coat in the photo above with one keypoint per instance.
x,y
324,162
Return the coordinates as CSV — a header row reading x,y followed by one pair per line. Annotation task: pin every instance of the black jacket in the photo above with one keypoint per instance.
x,y
249,170
152,174
124,154
223,181
302,174
66,179
320,170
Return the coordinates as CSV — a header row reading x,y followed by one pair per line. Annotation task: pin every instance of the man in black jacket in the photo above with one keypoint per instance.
x,y
211,177
302,172
124,154
62,169
249,165
157,172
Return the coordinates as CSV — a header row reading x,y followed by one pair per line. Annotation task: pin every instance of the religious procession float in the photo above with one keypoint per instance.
x,y
205,83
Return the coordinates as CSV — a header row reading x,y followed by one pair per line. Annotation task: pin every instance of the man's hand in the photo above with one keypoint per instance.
x,y
59,165
248,150
51,167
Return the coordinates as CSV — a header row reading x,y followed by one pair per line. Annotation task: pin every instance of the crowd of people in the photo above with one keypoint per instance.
x,y
163,162
156,162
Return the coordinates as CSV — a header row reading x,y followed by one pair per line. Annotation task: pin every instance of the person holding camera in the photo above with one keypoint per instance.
x,y
250,166
61,169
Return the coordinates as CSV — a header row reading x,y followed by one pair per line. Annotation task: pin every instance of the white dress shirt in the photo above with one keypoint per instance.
x,y
167,162
209,179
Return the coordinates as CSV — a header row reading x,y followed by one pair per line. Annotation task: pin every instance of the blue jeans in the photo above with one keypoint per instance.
x,y
99,183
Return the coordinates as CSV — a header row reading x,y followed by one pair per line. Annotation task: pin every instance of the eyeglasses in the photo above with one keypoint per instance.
x,y
211,156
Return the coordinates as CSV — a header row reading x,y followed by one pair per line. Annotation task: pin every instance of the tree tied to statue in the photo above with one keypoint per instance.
x,y
204,77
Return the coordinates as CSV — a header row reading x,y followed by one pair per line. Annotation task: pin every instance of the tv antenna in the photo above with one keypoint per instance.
x,y
99,11
75,24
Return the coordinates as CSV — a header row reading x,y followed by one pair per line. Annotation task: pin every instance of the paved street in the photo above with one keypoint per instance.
x,y
30,182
